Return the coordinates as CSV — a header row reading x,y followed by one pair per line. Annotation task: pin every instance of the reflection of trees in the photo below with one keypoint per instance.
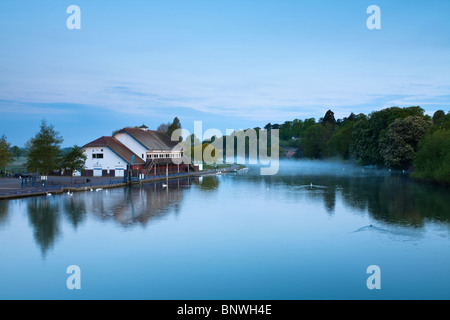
x,y
209,183
392,201
329,199
397,199
75,210
434,202
43,215
128,206
4,206
391,198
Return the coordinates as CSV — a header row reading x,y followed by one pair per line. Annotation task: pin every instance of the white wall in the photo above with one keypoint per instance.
x,y
110,159
132,144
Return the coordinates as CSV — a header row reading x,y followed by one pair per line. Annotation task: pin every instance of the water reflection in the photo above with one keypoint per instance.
x,y
4,206
387,197
43,215
208,183
75,210
137,205
392,199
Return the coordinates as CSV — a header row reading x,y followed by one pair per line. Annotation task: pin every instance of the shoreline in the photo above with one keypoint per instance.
x,y
62,190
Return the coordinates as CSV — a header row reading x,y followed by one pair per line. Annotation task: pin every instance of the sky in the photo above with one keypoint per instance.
x,y
232,64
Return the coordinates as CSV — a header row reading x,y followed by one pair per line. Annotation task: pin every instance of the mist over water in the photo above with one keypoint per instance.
x,y
388,196
322,167
304,167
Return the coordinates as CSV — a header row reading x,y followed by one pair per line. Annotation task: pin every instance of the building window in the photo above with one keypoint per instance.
x,y
97,156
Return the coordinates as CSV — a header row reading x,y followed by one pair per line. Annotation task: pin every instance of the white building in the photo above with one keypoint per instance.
x,y
107,156
142,149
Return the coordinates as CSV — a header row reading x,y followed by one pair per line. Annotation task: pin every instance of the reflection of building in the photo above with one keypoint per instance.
x,y
146,151
139,205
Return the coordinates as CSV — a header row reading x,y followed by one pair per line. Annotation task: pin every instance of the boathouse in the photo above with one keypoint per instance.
x,y
141,150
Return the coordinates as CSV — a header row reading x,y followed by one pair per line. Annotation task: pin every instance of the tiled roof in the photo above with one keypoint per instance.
x,y
118,147
150,139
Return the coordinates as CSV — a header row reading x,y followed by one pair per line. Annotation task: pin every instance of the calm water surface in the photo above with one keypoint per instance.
x,y
310,232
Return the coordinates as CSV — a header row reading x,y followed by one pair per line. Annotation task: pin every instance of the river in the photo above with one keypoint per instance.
x,y
309,232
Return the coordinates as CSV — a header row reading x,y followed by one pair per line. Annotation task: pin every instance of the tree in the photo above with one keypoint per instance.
x,y
163,127
74,160
329,118
339,143
400,144
16,152
432,160
369,133
315,141
174,126
286,131
44,150
5,154
438,117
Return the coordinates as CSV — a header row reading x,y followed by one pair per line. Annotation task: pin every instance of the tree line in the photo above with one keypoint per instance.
x,y
396,138
44,153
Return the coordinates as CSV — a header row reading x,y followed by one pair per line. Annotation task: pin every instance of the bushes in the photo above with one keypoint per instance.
x,y
370,137
432,161
400,144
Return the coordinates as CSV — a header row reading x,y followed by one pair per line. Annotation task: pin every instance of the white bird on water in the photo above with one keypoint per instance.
x,y
99,189
49,194
164,185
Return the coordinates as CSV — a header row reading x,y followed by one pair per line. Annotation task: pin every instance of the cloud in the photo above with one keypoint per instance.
x,y
263,100
23,108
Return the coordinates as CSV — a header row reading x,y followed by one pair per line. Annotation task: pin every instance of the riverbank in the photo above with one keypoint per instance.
x,y
12,188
